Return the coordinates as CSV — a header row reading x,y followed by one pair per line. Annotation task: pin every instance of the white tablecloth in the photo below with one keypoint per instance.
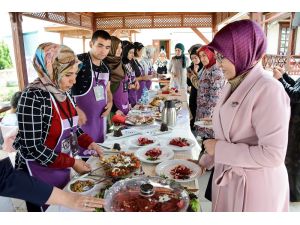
x,y
182,129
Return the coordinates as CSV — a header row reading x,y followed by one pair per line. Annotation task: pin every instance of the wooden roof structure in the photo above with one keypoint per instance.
x,y
85,23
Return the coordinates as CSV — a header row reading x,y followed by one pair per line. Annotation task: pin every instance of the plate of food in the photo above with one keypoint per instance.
x,y
154,154
157,129
146,194
120,165
122,133
143,140
138,120
204,123
178,169
83,186
179,143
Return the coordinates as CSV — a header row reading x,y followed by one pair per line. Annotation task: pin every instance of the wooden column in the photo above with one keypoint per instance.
x,y
292,42
61,35
17,34
214,25
94,23
83,43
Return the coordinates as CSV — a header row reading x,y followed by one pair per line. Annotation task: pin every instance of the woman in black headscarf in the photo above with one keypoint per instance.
x,y
193,74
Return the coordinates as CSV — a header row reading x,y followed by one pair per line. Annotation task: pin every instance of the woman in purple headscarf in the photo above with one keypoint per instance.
x,y
250,123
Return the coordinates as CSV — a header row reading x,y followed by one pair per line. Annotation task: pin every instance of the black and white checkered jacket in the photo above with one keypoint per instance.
x,y
34,120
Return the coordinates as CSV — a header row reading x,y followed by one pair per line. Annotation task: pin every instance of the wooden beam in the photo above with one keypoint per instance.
x,y
126,14
257,17
117,33
214,24
203,38
112,31
275,16
17,34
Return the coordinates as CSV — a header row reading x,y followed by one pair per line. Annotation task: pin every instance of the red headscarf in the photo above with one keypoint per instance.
x,y
210,55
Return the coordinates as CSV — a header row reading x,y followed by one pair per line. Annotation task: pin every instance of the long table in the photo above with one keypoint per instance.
x,y
181,129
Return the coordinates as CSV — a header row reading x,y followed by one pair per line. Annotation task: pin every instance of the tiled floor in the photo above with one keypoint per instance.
x,y
20,206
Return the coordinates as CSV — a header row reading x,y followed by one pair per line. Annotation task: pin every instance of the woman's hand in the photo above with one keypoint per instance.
x,y
81,166
86,203
119,112
107,109
196,67
209,146
137,85
81,116
74,200
97,148
203,169
276,74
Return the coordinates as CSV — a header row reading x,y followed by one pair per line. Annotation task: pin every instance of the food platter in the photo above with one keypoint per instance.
x,y
154,154
178,143
166,168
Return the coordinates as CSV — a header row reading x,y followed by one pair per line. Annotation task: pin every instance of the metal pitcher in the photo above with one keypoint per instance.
x,y
169,114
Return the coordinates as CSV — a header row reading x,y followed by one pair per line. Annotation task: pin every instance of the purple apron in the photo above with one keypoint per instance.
x,y
56,177
132,92
149,82
95,126
142,85
120,97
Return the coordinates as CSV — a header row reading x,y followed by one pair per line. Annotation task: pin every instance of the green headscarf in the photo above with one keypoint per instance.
x,y
182,57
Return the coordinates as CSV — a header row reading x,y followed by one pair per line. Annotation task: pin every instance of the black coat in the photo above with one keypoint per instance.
x,y
193,96
292,160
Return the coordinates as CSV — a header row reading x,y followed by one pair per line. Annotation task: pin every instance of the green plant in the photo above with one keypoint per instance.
x,y
5,60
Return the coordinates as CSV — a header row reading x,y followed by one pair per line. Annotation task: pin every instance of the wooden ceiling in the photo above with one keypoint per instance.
x,y
133,20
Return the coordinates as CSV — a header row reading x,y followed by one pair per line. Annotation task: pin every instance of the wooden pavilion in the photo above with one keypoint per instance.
x,y
83,24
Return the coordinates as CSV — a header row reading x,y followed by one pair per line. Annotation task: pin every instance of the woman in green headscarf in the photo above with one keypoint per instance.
x,y
177,67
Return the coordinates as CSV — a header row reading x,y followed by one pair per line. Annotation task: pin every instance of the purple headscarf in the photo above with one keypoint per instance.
x,y
242,42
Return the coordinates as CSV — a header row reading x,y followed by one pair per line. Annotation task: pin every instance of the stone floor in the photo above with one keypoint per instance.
x,y
20,206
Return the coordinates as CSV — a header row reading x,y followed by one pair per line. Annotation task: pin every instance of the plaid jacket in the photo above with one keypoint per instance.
x,y
34,120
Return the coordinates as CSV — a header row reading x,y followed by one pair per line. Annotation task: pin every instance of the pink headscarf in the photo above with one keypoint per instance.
x,y
242,42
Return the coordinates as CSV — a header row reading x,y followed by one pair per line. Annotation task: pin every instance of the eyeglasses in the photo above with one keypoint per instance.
x,y
219,57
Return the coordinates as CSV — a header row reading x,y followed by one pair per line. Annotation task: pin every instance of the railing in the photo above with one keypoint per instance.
x,y
291,64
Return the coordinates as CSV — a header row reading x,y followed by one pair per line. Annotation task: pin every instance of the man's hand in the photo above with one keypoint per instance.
x,y
107,109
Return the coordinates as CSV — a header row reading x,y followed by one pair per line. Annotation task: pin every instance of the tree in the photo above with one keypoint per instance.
x,y
5,60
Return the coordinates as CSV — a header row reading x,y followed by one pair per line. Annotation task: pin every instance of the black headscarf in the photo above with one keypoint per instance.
x,y
134,64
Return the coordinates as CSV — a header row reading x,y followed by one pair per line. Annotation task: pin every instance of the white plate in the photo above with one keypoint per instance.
x,y
126,133
107,146
201,123
167,140
133,142
166,154
165,168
